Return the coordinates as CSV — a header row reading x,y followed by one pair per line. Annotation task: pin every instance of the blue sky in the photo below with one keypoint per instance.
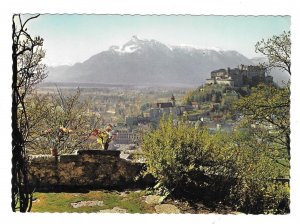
x,y
74,38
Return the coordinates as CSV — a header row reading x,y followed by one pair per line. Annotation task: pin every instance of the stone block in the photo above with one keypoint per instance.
x,y
42,159
167,209
99,152
69,158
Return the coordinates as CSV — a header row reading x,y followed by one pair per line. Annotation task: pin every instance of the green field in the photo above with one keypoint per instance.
x,y
132,201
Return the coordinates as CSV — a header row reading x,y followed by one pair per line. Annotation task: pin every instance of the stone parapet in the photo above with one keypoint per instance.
x,y
87,168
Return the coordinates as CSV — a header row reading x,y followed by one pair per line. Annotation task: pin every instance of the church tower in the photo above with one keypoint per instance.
x,y
173,100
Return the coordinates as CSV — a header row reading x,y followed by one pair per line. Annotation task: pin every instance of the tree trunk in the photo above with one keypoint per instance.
x,y
20,187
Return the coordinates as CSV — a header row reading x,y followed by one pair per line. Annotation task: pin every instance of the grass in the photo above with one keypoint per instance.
x,y
61,202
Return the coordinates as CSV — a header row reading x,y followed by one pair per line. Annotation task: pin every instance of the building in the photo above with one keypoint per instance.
x,y
195,105
131,120
237,77
164,105
227,81
269,79
164,108
157,113
126,137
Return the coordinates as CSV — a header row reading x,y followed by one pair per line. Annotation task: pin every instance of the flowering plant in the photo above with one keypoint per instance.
x,y
57,137
63,123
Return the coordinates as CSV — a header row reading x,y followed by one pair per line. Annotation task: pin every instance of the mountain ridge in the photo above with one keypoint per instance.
x,y
150,62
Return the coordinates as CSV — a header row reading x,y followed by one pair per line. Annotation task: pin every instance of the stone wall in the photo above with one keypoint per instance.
x,y
87,168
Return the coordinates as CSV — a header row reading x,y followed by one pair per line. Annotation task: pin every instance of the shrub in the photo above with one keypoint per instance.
x,y
234,168
173,154
256,189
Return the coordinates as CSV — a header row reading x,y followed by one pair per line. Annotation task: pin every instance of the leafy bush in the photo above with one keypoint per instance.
x,y
256,189
261,197
266,150
173,153
233,168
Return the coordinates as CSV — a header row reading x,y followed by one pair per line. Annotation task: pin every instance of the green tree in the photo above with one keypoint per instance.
x,y
267,108
278,51
27,54
188,98
257,188
145,106
266,111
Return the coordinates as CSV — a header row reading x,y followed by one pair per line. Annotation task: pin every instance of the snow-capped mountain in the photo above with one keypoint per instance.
x,y
142,61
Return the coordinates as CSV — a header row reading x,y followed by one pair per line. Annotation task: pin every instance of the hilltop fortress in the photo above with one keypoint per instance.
x,y
241,76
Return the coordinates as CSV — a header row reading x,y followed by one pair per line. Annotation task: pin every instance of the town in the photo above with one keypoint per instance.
x,y
212,110
134,110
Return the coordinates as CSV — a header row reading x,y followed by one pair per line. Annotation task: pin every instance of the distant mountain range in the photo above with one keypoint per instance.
x,y
149,62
